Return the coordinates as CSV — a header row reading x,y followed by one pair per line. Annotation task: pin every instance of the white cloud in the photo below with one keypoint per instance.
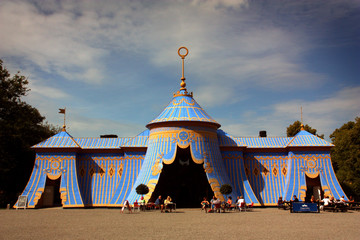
x,y
215,4
326,114
215,95
46,91
53,42
74,38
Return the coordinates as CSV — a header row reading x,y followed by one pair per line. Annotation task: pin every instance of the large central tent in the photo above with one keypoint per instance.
x,y
184,154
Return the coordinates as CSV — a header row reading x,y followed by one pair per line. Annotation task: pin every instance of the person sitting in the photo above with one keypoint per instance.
x,y
241,203
326,202
142,203
212,202
217,204
280,203
341,204
351,202
312,199
295,199
160,203
136,205
168,203
229,202
204,204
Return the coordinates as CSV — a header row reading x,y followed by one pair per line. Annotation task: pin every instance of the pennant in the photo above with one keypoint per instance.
x,y
62,110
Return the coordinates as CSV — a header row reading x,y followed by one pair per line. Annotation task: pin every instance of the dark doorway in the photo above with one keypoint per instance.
x,y
313,186
51,194
184,181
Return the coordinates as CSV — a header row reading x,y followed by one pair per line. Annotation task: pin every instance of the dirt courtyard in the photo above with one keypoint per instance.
x,y
103,223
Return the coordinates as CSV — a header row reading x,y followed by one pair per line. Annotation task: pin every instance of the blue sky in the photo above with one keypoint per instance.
x,y
251,64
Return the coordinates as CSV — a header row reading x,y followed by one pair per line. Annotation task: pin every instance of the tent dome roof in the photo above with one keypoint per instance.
x,y
183,107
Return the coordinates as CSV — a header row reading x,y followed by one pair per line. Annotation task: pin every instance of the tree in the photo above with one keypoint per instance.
x,y
294,128
21,126
225,189
142,189
346,156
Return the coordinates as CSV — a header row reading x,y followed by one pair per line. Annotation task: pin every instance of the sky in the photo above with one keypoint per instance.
x,y
251,65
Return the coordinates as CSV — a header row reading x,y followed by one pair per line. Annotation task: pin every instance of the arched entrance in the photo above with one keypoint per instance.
x,y
184,181
313,186
51,194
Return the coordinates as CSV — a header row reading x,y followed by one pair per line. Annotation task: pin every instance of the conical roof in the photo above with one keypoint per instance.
x,y
306,139
60,140
183,107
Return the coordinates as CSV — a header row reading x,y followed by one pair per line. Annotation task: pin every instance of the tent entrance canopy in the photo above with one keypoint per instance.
x,y
184,181
313,185
51,195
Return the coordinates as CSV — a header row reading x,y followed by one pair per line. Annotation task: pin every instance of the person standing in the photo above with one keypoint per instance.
x,y
204,204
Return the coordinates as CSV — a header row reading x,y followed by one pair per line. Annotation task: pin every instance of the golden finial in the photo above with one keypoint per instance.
x,y
182,91
183,84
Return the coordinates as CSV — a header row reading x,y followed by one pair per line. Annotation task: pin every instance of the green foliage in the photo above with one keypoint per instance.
x,y
226,189
142,189
346,156
21,126
294,128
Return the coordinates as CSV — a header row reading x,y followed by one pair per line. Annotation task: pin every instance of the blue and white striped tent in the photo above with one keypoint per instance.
x,y
104,172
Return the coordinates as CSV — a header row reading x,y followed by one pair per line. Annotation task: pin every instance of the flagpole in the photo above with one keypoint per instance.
x,y
64,118
63,111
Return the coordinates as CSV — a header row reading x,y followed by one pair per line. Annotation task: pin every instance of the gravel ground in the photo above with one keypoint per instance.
x,y
103,223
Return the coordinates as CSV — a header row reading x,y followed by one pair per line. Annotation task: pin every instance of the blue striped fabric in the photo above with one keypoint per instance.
x,y
60,140
302,139
265,142
184,108
65,140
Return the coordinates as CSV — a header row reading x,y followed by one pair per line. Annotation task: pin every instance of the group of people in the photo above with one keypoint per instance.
x,y
165,205
332,202
281,202
215,204
327,201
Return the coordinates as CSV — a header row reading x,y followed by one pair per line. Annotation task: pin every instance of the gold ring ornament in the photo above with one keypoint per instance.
x,y
183,55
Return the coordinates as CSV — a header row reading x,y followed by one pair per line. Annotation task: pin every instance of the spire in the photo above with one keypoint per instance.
x,y
183,91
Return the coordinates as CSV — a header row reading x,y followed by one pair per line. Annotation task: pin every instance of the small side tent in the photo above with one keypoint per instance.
x,y
91,172
55,159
